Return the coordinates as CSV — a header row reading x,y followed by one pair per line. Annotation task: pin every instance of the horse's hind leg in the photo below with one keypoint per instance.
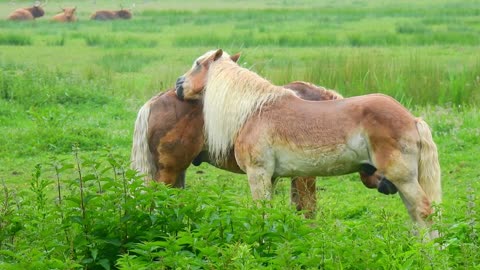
x,y
303,195
403,173
418,206
416,202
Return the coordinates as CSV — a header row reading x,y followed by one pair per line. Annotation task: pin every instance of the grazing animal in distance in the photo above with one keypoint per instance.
x,y
27,14
273,133
107,15
68,15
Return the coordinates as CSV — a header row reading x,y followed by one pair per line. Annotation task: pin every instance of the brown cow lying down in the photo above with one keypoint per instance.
x,y
105,15
27,14
68,15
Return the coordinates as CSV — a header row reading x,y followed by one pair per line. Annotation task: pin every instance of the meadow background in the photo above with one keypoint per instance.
x,y
69,94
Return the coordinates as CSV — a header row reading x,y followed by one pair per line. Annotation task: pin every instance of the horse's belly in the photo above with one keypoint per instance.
x,y
321,161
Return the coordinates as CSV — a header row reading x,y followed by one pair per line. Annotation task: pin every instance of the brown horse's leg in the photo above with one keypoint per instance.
x,y
402,171
180,183
167,176
303,195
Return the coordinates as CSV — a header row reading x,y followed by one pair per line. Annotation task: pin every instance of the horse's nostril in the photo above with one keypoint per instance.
x,y
180,81
178,84
179,92
179,87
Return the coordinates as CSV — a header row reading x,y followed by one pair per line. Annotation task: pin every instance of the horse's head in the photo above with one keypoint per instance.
x,y
190,86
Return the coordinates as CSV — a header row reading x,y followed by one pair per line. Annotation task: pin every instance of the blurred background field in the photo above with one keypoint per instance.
x,y
82,84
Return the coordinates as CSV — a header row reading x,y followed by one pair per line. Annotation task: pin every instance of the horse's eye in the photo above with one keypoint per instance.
x,y
198,63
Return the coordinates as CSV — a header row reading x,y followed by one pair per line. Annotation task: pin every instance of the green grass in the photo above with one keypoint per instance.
x,y
15,39
81,85
125,62
119,42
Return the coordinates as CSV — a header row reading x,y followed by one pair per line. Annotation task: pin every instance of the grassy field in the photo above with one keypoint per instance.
x,y
69,94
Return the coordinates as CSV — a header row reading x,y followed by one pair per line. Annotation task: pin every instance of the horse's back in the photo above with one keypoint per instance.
x,y
309,91
378,101
372,108
292,120
380,112
166,111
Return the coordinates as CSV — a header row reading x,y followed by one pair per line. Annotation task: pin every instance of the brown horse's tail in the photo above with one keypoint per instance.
x,y
429,175
142,158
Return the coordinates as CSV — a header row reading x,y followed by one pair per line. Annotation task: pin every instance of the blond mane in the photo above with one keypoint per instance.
x,y
232,95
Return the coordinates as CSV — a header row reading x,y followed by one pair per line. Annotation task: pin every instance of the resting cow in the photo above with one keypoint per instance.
x,y
68,15
106,15
27,14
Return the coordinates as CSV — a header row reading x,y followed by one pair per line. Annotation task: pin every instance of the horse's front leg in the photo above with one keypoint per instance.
x,y
254,156
260,181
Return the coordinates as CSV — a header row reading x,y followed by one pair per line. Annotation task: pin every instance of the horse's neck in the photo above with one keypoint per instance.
x,y
243,79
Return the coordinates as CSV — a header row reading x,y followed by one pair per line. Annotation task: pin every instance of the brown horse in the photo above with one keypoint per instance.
x,y
67,15
169,136
27,14
274,133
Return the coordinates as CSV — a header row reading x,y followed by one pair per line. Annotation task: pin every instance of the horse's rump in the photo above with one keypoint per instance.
x,y
165,125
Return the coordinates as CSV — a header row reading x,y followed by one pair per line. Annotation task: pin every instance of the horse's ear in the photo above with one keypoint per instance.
x,y
235,57
215,56
218,54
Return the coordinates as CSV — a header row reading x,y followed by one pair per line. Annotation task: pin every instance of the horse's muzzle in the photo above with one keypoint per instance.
x,y
179,87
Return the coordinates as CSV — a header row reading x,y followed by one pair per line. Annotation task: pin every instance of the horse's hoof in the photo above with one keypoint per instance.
x,y
386,187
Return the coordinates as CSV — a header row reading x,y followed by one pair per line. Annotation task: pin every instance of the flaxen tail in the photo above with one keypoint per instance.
x,y
142,159
429,175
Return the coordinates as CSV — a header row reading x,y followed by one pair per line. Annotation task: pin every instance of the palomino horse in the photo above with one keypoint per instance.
x,y
274,133
169,136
